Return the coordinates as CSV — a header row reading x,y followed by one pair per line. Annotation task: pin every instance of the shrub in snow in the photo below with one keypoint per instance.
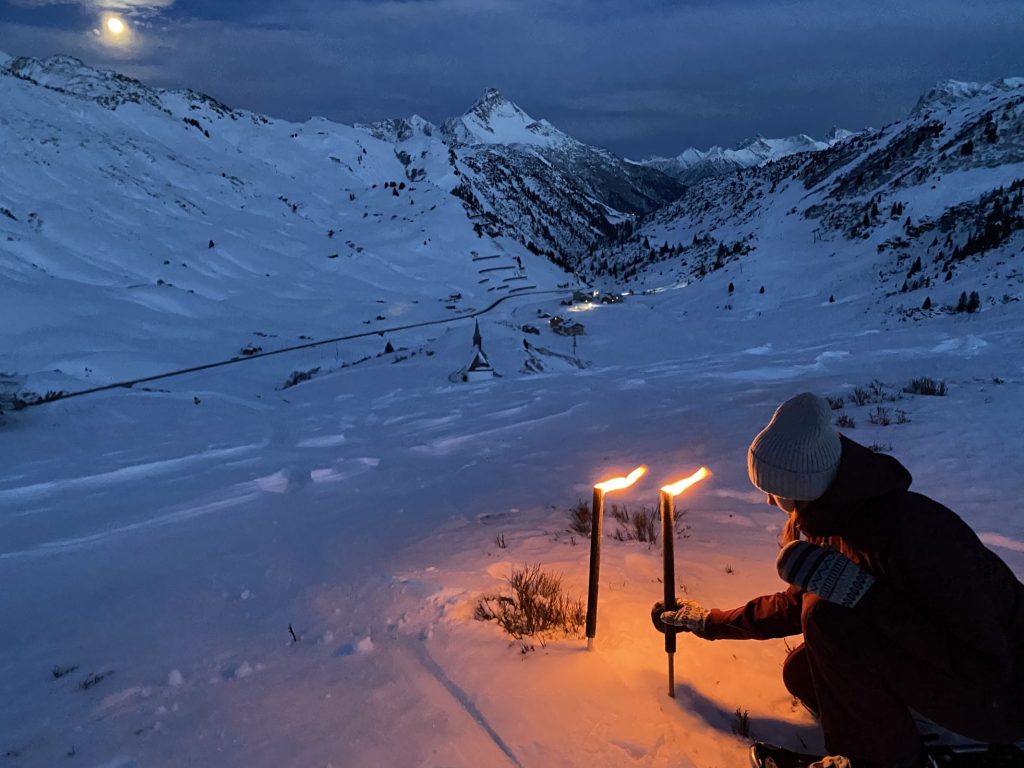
x,y
537,606
59,672
875,392
926,386
643,524
835,403
860,396
845,421
880,416
93,679
297,377
17,400
580,518
741,723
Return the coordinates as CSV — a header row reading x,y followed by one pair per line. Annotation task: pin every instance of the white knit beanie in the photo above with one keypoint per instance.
x,y
797,455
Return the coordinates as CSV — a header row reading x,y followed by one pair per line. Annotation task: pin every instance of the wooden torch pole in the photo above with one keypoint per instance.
x,y
597,515
668,513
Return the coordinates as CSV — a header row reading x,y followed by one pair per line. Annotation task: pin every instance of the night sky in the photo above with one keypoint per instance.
x,y
637,76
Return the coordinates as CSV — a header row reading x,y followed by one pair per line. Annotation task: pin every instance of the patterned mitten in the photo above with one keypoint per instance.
x,y
824,572
690,616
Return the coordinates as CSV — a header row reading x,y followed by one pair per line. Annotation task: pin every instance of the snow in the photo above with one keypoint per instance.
x,y
161,539
385,567
496,120
693,163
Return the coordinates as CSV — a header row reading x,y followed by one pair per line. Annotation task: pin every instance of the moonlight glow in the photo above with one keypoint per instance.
x,y
115,26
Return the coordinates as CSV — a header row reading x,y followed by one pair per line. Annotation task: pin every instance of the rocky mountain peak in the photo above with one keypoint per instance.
x,y
72,76
397,130
949,93
489,102
493,119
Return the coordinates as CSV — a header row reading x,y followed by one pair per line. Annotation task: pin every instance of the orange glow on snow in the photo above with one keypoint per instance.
x,y
678,487
618,483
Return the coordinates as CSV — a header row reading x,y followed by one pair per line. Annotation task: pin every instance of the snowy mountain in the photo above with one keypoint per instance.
x,y
523,178
909,217
693,165
561,197
493,119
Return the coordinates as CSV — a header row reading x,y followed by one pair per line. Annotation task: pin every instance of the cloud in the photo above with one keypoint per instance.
x,y
129,7
650,76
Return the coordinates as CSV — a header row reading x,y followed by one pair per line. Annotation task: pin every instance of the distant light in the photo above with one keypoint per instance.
x,y
115,26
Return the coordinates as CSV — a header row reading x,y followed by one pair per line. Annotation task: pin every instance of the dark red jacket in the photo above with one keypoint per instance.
x,y
939,592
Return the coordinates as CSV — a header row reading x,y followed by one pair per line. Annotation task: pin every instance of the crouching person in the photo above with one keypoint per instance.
x,y
900,605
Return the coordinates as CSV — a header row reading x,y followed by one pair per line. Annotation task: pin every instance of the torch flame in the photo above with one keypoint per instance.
x,y
676,488
618,483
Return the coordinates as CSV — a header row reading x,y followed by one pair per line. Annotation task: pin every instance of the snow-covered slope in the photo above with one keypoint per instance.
x,y
901,221
157,217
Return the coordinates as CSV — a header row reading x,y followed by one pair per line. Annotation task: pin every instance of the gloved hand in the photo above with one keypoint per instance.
x,y
823,572
691,616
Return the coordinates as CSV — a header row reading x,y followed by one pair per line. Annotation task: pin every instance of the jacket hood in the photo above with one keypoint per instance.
x,y
863,476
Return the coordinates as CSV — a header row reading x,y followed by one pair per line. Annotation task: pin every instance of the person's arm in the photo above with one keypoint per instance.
x,y
936,595
762,618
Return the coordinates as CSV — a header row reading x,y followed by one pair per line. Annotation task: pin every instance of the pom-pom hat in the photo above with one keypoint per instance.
x,y
797,455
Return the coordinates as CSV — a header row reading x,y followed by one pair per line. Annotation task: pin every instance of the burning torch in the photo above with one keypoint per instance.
x,y
597,516
668,523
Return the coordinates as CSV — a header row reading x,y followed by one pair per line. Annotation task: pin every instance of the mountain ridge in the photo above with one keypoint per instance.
x,y
910,218
192,202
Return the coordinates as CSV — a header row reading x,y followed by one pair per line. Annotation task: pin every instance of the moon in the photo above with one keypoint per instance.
x,y
115,26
